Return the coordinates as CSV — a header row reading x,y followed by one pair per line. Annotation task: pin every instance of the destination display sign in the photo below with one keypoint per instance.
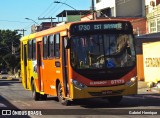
x,y
100,26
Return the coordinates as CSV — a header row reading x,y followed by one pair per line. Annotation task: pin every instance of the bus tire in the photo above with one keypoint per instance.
x,y
35,95
61,98
115,100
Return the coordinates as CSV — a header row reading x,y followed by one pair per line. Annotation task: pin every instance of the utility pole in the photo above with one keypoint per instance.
x,y
92,8
21,30
51,18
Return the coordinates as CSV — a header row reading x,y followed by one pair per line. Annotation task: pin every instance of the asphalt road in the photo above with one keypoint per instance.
x,y
14,97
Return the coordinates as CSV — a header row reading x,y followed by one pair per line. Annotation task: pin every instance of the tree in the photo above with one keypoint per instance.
x,y
9,40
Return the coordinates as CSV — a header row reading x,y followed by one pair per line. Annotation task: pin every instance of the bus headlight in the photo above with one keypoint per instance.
x,y
78,84
131,82
133,79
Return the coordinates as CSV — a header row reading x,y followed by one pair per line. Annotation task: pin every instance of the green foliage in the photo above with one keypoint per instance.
x,y
8,40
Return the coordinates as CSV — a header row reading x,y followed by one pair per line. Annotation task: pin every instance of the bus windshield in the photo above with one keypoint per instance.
x,y
100,51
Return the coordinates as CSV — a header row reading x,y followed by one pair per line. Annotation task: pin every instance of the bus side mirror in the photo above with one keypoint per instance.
x,y
67,43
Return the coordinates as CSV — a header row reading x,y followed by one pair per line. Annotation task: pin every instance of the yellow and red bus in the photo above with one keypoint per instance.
x,y
80,60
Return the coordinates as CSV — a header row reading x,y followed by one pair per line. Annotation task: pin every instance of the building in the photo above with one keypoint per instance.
x,y
132,10
153,15
43,26
105,9
72,15
148,10
148,44
120,8
47,25
139,25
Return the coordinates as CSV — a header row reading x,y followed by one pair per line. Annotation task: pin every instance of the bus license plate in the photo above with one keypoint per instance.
x,y
108,92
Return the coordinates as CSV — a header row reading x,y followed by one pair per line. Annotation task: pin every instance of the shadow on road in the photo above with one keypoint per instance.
x,y
135,101
127,102
5,82
5,104
6,108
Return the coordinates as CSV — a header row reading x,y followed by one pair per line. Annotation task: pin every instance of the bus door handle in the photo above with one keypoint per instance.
x,y
57,64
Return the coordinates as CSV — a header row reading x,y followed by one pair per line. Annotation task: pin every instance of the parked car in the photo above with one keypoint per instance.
x,y
4,72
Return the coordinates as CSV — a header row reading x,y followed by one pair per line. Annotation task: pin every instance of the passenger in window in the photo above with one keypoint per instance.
x,y
82,50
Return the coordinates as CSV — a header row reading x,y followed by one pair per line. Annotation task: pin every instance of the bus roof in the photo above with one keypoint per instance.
x,y
30,36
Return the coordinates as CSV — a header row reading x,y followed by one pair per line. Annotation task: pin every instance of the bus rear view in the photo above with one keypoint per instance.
x,y
102,60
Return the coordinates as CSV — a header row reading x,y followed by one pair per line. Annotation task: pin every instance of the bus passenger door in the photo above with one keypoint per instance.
x,y
65,65
25,65
39,65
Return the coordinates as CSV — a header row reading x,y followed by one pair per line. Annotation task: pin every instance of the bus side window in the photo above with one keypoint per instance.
x,y
57,45
30,49
45,47
34,49
51,46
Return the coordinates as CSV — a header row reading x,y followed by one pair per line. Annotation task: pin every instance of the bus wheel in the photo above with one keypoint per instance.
x,y
61,99
35,95
114,100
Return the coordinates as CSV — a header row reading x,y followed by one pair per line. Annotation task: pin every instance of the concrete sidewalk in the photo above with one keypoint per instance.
x,y
142,84
144,89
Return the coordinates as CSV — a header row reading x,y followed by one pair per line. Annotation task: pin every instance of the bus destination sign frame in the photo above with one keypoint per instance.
x,y
99,26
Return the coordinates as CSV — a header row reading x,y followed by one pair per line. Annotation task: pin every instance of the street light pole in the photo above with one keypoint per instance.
x,y
36,28
76,9
32,20
65,4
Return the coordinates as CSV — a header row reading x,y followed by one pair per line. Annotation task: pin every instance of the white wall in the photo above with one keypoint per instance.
x,y
151,60
104,4
123,7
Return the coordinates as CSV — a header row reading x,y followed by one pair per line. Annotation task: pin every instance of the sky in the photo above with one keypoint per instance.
x,y
14,12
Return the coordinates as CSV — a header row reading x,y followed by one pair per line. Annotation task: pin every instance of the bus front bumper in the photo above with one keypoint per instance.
x,y
92,92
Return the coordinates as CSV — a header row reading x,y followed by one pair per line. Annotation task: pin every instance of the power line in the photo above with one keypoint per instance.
x,y
59,7
32,20
46,9
50,11
13,21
